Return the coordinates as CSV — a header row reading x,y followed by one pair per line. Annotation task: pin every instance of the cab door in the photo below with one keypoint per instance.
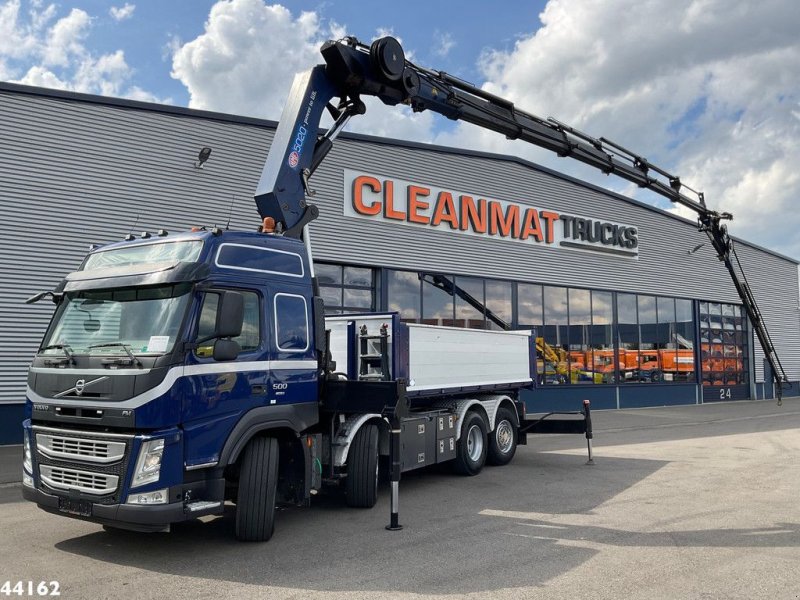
x,y
218,393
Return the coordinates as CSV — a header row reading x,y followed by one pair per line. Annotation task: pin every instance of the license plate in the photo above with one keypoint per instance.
x,y
81,508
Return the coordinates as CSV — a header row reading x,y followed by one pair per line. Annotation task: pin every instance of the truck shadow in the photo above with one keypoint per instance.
x,y
447,545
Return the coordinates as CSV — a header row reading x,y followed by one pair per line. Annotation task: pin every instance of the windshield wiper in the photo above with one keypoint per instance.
x,y
66,348
132,358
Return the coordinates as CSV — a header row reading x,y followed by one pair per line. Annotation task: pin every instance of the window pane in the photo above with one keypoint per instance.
x,y
328,274
404,295
437,301
554,344
498,301
332,297
208,316
648,336
580,324
684,339
350,287
665,340
250,338
555,305
253,258
602,363
291,323
529,305
361,299
467,315
628,337
358,276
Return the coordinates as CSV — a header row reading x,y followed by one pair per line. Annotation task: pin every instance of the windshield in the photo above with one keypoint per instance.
x,y
137,320
186,251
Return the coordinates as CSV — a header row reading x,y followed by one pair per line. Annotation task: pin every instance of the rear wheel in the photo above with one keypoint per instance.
x,y
361,485
258,479
503,440
472,445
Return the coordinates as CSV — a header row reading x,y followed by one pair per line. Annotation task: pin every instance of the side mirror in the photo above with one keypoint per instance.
x,y
230,316
226,350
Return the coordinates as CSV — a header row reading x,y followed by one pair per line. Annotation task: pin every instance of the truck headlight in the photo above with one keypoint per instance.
x,y
27,462
156,497
148,465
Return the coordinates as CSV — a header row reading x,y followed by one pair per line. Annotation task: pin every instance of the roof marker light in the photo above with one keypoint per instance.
x,y
268,225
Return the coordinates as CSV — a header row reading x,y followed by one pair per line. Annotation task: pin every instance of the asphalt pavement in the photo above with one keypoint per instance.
x,y
682,502
10,464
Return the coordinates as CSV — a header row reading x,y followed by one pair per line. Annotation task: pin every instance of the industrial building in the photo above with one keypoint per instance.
x,y
630,305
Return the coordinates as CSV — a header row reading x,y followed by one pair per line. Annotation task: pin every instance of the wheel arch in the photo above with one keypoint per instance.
x,y
348,431
488,407
283,421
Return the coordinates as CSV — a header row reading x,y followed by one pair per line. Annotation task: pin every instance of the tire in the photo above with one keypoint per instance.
x,y
361,485
258,481
473,445
503,440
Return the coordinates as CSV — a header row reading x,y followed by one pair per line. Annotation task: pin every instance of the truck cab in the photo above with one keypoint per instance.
x,y
164,356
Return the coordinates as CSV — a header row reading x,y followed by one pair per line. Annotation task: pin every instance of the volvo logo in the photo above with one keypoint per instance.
x,y
79,387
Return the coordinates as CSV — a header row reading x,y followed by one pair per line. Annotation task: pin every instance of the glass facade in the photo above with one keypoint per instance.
x,y
724,357
583,336
347,289
656,339
453,301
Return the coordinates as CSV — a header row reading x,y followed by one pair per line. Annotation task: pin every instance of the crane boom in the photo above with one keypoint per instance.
x,y
353,70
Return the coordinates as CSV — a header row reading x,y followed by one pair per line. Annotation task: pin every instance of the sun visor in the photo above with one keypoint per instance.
x,y
135,275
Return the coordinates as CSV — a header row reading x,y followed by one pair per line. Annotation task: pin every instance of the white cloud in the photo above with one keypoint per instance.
x,y
120,13
246,58
443,43
39,48
65,40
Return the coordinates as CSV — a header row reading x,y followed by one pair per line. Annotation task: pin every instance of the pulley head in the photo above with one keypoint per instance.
x,y
388,58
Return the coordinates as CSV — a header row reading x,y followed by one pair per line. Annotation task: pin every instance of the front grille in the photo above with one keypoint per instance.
x,y
61,478
90,450
102,456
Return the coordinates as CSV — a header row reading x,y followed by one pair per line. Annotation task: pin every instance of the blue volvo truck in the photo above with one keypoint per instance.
x,y
183,374
183,371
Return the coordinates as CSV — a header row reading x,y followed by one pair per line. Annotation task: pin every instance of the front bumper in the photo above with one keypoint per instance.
x,y
146,518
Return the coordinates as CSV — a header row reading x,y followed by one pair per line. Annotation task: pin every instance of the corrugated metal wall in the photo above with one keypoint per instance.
x,y
75,172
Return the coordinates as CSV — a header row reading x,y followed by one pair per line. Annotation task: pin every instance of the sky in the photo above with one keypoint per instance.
x,y
706,89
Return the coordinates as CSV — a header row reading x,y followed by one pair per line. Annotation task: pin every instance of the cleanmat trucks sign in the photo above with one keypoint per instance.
x,y
391,200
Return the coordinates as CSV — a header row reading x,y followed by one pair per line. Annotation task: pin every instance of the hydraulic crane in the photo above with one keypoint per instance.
x,y
353,69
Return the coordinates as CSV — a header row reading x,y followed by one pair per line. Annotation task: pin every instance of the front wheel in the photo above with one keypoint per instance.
x,y
472,445
503,440
258,482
